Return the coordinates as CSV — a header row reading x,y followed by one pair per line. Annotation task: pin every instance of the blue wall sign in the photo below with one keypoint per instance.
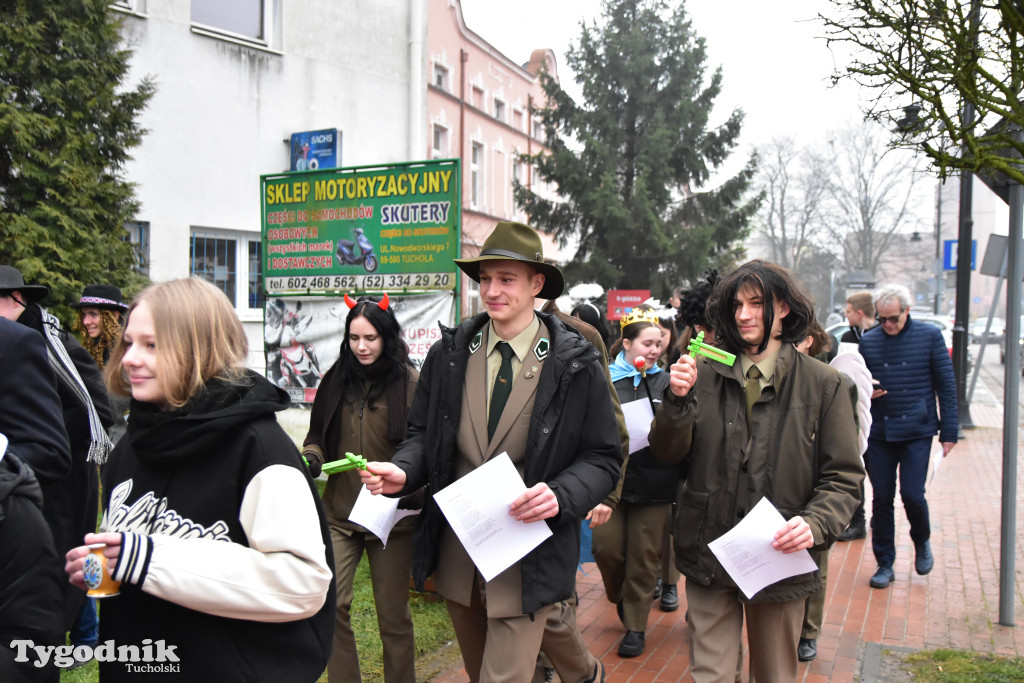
x,y
949,254
314,149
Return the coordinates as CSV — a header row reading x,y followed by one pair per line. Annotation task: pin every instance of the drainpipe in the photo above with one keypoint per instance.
x,y
529,140
463,58
417,91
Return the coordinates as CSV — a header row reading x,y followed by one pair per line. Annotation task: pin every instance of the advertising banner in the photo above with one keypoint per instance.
x,y
622,301
367,229
315,149
302,337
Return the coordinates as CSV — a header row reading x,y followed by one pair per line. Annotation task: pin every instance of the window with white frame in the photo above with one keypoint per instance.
x,y
439,148
538,129
255,275
477,96
476,171
441,77
138,234
129,5
231,261
499,109
517,120
517,171
244,18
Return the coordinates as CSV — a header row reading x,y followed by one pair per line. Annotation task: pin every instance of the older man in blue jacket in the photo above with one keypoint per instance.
x,y
911,361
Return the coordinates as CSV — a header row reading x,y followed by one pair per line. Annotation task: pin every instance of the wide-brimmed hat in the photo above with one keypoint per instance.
x,y
516,242
11,279
107,297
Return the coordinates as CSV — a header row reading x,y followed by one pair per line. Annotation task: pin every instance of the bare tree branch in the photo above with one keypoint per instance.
x,y
927,59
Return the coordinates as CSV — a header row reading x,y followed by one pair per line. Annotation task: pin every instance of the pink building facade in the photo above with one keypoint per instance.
x,y
478,110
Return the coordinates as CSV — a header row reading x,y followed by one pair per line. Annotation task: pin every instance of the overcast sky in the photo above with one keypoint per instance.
x,y
775,66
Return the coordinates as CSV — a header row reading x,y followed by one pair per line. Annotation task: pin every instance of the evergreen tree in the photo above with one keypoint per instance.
x,y
630,160
67,124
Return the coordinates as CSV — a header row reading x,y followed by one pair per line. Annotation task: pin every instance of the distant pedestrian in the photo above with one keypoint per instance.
x,y
628,547
816,345
100,319
588,313
912,364
860,313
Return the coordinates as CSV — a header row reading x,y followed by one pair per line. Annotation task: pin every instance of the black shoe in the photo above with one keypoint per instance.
x,y
669,599
882,578
657,589
632,645
854,532
598,676
807,649
924,561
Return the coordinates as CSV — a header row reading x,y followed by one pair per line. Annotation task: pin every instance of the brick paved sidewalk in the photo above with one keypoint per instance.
x,y
956,605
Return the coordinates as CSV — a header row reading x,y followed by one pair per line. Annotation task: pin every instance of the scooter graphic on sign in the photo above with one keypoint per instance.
x,y
360,251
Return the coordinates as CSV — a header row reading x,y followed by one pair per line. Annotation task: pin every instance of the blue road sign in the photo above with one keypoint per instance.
x,y
949,254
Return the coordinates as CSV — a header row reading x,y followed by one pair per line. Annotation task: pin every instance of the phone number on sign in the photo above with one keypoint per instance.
x,y
342,283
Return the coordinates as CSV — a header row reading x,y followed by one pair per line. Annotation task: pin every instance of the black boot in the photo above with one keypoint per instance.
x,y
854,532
632,645
669,599
807,649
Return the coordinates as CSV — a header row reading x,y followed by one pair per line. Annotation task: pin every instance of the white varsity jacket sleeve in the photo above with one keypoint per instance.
x,y
282,576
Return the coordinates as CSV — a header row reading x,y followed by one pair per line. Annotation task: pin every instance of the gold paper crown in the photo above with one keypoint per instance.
x,y
638,315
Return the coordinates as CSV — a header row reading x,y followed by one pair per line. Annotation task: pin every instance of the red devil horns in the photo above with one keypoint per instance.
x,y
383,303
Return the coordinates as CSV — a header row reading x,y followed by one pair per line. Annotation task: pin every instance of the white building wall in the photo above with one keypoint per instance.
x,y
224,109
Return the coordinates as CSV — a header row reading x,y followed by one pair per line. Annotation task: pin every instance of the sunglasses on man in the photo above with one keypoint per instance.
x,y
882,319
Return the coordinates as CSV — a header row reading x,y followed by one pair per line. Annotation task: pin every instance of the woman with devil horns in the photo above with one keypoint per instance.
x,y
361,407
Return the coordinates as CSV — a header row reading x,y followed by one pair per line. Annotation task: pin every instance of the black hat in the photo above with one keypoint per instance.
x,y
516,242
107,297
11,279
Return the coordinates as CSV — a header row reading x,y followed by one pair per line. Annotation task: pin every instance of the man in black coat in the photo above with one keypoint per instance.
x,y
31,579
71,502
29,408
513,381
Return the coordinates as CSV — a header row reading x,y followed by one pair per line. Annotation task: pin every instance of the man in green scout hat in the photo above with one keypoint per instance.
x,y
517,381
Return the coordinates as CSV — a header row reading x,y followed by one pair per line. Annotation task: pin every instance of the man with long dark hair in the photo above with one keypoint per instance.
x,y
774,425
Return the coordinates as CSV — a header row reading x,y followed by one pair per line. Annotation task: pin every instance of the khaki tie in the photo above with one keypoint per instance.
x,y
502,388
753,387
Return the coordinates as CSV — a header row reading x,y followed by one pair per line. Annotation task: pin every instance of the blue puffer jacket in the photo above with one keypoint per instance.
x,y
913,366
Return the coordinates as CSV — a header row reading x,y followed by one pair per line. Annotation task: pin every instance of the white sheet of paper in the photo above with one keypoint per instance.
x,y
3,445
476,507
747,554
936,457
639,415
379,514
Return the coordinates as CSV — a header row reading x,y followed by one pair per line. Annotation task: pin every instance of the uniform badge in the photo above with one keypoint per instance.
x,y
474,345
542,348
